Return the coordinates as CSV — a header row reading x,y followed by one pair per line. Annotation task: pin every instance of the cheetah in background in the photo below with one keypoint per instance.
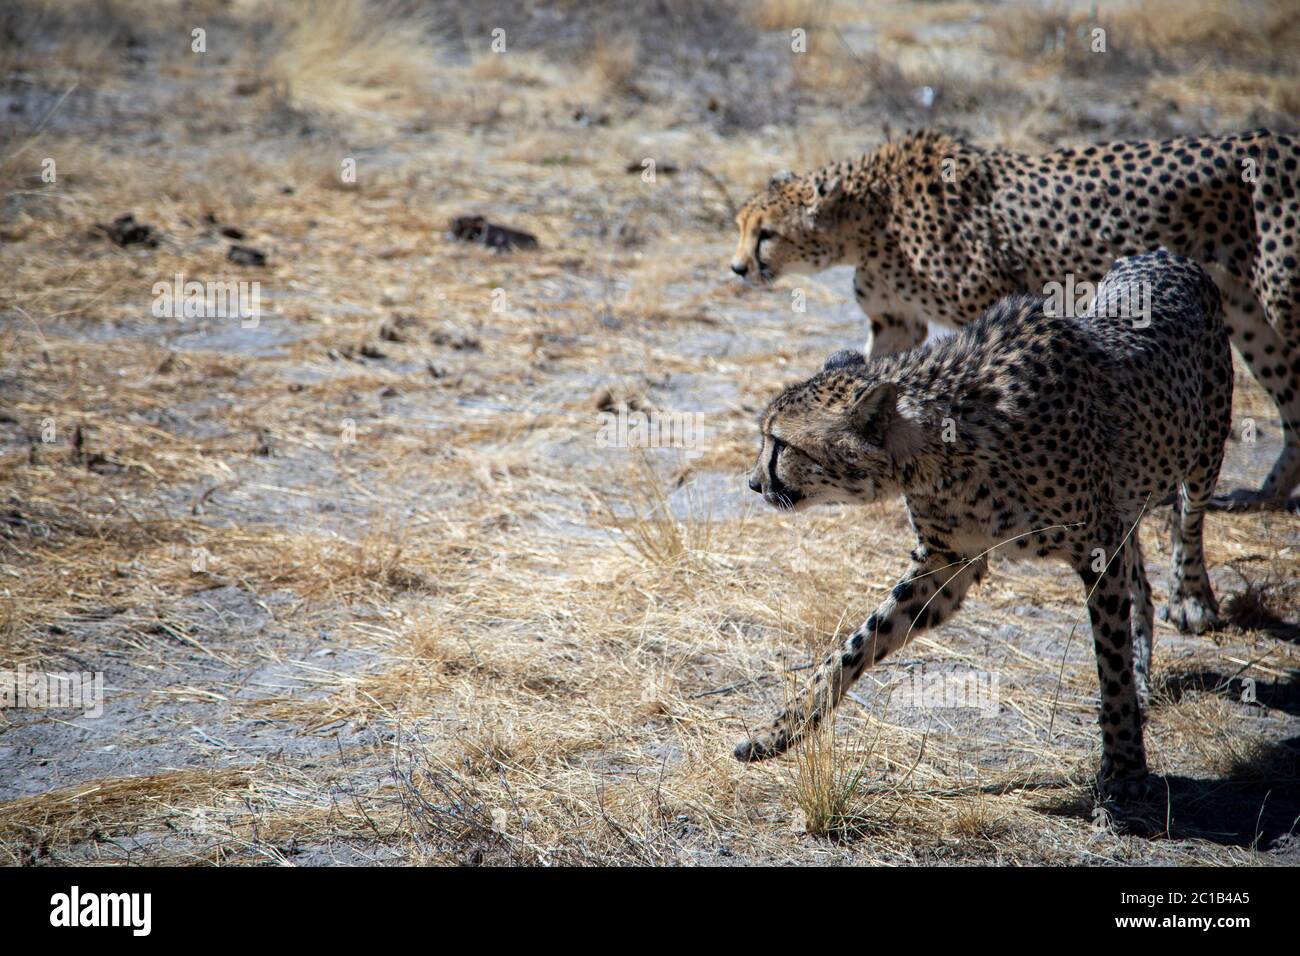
x,y
940,230
1067,431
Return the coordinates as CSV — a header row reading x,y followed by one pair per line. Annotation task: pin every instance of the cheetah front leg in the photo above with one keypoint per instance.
x,y
892,333
1142,623
891,330
930,591
1111,609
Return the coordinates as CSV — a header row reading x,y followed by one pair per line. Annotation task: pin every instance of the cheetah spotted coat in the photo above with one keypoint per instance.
x,y
939,230
1039,434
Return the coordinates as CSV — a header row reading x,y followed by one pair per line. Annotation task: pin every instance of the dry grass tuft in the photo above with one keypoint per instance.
x,y
364,57
105,809
643,514
1255,760
613,66
979,819
786,14
1263,605
829,782
1161,35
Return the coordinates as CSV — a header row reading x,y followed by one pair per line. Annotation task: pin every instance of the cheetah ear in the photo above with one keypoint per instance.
x,y
830,189
784,176
873,409
825,197
844,358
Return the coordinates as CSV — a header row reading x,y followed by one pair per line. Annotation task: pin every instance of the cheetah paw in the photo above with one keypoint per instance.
x,y
1191,615
1133,804
1130,788
755,749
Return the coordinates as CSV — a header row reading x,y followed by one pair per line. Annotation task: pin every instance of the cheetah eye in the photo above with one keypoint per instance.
x,y
765,234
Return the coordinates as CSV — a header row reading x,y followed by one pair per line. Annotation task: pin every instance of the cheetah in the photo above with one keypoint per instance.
x,y
1046,434
939,230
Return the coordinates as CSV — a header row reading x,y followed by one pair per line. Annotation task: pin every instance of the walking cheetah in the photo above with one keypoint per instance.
x,y
1048,434
940,230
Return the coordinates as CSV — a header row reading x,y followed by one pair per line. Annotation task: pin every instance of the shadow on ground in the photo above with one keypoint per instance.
x,y
1283,695
1256,805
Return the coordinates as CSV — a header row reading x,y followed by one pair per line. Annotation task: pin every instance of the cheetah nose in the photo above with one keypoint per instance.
x,y
755,484
740,268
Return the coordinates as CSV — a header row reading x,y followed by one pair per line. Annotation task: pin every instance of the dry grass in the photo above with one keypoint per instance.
x,y
1166,35
646,519
359,56
787,14
103,810
828,784
472,635
88,37
614,65
1257,31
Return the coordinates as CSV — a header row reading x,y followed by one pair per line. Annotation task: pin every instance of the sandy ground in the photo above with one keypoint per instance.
x,y
364,582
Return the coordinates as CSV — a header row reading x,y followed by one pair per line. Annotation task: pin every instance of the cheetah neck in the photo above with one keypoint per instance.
x,y
918,462
933,447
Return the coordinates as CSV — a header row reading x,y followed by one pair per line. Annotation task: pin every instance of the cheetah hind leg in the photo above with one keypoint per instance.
x,y
1141,625
1192,607
1273,357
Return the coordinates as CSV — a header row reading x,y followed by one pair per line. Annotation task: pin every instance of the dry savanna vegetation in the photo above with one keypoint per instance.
x,y
363,579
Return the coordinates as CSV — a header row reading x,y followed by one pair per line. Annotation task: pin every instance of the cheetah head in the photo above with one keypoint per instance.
x,y
784,229
833,438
